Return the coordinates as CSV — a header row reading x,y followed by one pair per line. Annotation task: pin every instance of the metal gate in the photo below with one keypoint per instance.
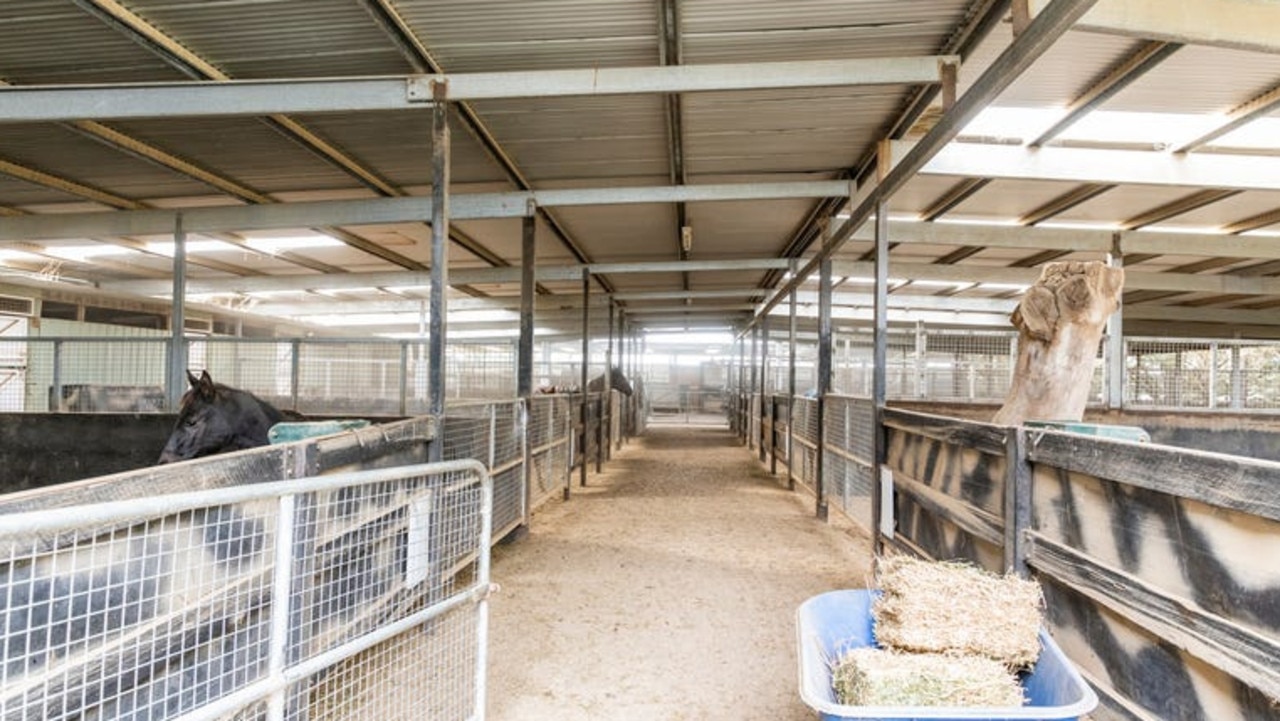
x,y
359,595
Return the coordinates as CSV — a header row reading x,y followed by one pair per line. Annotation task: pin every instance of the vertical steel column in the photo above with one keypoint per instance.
x,y
524,353
439,262
586,361
791,386
878,384
1115,336
295,371
404,378
824,383
605,449
741,396
59,403
922,347
750,389
177,367
764,372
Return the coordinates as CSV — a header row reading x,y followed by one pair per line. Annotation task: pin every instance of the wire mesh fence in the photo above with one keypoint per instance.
x,y
1199,374
804,449
354,596
127,373
550,446
848,454
491,433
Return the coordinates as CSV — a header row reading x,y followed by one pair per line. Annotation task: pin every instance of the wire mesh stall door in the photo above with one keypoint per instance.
x,y
351,596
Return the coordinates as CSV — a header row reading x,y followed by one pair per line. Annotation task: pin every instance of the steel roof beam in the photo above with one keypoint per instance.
x,y
58,103
1125,73
1038,37
467,206
462,276
1243,24
1093,165
422,60
963,42
188,62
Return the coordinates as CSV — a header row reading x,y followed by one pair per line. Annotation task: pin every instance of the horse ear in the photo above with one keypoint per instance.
x,y
206,384
192,379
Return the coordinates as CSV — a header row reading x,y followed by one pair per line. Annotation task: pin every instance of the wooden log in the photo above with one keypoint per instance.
x,y
1060,321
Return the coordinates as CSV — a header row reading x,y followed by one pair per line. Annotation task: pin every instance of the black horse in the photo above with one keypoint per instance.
x,y
214,418
617,381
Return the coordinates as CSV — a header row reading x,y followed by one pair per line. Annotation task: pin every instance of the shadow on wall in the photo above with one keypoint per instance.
x,y
1250,436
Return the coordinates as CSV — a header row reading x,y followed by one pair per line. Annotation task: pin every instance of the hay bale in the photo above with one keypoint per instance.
x,y
954,607
877,677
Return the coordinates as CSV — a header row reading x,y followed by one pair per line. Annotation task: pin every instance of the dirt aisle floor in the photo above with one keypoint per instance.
x,y
666,589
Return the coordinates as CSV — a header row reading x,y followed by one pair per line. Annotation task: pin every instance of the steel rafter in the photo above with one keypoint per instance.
x,y
1043,31
188,62
420,58
985,16
671,52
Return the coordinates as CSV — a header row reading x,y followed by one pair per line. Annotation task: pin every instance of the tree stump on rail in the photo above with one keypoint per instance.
x,y
1060,322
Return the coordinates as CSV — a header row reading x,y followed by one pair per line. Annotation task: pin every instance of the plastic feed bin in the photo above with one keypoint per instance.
x,y
834,622
1101,430
290,431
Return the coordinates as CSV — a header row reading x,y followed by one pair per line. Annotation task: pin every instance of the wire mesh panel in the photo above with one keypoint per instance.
x,y
781,424
94,375
550,444
349,377
480,370
804,420
491,434
354,596
966,366
1240,375
849,453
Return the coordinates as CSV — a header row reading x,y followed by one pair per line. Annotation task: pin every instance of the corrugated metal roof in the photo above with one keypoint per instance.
x,y
277,38
468,36
579,142
742,30
52,41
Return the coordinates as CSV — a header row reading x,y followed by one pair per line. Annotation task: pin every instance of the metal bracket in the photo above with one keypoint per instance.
x,y
420,88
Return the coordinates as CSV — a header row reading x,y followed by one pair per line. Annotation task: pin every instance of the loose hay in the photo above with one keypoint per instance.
x,y
878,677
953,607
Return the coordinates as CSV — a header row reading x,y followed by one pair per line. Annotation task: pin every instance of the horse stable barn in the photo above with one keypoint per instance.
x,y
702,306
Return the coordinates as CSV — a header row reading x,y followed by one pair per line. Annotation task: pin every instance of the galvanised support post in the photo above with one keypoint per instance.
x,y
741,402
824,383
764,372
59,403
604,436
524,353
438,308
878,381
295,372
404,378
1115,337
586,361
791,386
751,389
1237,378
176,373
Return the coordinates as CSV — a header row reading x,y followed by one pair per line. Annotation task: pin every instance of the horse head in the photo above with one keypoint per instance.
x,y
214,418
619,382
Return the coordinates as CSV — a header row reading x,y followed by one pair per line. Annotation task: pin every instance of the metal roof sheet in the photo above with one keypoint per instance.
x,y
582,141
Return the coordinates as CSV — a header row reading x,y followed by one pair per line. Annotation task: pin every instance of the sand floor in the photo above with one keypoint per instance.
x,y
665,589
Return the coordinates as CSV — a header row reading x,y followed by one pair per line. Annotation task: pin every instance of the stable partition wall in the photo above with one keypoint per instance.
x,y
1148,554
